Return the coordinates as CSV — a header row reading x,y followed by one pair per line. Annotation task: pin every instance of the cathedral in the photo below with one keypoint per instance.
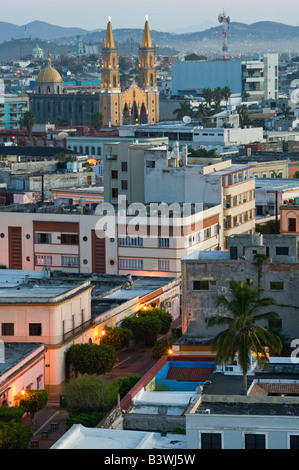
x,y
139,104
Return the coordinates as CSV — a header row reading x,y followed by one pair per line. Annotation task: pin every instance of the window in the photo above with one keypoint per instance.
x,y
124,184
210,441
216,229
282,250
276,285
235,201
114,174
70,261
201,285
255,441
42,238
35,329
114,192
207,233
275,323
131,241
163,242
163,265
69,239
130,264
294,442
8,329
43,260
292,225
150,164
124,166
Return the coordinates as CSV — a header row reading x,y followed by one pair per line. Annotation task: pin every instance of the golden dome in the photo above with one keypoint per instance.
x,y
49,75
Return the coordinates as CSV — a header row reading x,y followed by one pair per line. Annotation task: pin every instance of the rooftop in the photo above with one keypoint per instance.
x,y
276,184
16,352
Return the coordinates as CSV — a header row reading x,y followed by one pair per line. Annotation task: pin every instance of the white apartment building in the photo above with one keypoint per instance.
x,y
171,179
77,239
195,136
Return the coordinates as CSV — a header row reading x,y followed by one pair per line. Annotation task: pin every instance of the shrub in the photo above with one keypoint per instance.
x,y
89,420
9,413
161,348
164,317
118,338
89,394
34,400
145,329
14,436
91,358
125,384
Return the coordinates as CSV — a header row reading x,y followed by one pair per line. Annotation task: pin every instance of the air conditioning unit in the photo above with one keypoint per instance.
x,y
205,412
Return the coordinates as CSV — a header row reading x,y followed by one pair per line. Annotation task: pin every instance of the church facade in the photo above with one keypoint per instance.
x,y
139,104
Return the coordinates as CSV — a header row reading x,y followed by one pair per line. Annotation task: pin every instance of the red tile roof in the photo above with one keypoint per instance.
x,y
189,374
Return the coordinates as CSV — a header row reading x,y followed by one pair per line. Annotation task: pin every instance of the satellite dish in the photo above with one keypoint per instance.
x,y
220,18
62,135
187,119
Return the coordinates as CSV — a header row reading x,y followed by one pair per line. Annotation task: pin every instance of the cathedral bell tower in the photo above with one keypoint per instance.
x,y
110,88
147,75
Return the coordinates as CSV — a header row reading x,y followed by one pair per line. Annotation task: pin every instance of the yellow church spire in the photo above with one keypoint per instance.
x,y
109,42
147,40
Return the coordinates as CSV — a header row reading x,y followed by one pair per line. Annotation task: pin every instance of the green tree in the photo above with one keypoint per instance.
x,y
33,401
184,110
97,121
243,335
243,113
91,358
14,436
285,112
145,329
165,317
162,348
226,94
208,96
118,338
89,394
28,120
125,384
218,96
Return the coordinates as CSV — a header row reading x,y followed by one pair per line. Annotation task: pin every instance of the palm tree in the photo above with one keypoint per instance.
x,y
243,335
208,95
218,96
184,110
226,94
97,121
243,112
286,112
28,120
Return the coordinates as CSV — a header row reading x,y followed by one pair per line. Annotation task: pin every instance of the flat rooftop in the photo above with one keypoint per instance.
x,y
276,184
16,352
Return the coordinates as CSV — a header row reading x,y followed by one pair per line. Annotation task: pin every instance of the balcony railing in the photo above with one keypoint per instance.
x,y
76,331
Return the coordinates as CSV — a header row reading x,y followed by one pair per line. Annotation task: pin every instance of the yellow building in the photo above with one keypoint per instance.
x,y
140,103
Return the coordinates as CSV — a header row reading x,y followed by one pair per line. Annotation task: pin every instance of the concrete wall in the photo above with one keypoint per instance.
x,y
155,423
199,306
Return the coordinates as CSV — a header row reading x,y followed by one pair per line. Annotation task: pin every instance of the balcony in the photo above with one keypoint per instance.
x,y
79,329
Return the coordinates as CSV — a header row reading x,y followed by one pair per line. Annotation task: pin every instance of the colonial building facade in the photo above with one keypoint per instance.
x,y
139,104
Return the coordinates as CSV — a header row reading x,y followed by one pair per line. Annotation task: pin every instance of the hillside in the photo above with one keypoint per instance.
x,y
264,36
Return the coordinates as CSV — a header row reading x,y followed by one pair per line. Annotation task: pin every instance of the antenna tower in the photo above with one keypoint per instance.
x,y
225,22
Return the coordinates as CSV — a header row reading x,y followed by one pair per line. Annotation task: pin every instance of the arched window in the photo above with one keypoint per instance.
x,y
48,90
114,81
58,90
152,80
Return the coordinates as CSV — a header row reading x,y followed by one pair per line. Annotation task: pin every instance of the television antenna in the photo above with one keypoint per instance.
x,y
224,20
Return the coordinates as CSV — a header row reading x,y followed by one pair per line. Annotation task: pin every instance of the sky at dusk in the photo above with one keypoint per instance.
x,y
164,15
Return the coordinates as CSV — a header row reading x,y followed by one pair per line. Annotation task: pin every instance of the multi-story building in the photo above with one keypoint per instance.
x,y
12,108
289,217
258,78
195,136
206,275
221,183
81,239
55,311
